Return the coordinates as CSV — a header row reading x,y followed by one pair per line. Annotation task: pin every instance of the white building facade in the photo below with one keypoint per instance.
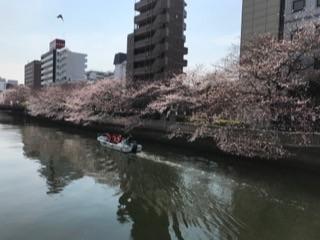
x,y
120,63
60,65
48,62
120,71
70,66
48,67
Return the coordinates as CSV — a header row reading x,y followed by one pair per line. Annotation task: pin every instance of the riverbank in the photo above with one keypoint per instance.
x,y
303,147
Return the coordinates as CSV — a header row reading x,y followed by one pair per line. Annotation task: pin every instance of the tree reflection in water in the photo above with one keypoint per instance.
x,y
162,201
48,147
78,157
164,194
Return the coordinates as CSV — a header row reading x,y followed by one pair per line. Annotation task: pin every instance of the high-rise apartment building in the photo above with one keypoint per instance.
x,y
156,47
49,61
60,65
32,74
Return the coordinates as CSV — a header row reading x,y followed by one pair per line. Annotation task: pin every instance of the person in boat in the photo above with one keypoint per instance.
x,y
118,139
114,138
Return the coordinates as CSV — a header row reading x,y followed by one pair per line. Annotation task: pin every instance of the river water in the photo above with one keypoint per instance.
x,y
61,184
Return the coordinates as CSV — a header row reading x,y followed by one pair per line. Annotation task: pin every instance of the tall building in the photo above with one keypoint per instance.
x,y
282,18
156,47
120,67
262,16
49,61
32,74
60,65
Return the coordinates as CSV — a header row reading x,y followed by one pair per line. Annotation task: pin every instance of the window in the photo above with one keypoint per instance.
x,y
318,3
298,5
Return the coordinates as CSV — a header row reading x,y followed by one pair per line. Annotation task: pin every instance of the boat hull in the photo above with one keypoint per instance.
x,y
121,147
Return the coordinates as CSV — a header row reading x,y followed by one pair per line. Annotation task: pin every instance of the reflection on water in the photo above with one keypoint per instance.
x,y
157,198
164,194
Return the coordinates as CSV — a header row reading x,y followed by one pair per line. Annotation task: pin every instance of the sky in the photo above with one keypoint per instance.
x,y
99,28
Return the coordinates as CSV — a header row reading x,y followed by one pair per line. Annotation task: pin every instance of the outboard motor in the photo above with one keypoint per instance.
x,y
134,147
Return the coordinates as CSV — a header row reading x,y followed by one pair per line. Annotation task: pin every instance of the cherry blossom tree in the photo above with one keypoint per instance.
x,y
242,104
17,96
278,73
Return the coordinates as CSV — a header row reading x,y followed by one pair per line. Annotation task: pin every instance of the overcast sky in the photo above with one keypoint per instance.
x,y
100,27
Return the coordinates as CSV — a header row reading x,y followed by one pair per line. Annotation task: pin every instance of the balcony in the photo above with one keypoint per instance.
x,y
185,63
143,43
158,8
151,69
184,38
156,24
142,71
144,17
149,55
47,64
46,70
156,38
144,5
143,30
185,51
143,57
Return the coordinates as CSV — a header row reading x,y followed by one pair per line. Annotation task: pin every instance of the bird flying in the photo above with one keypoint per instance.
x,y
60,17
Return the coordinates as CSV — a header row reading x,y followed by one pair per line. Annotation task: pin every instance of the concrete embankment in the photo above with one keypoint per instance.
x,y
303,147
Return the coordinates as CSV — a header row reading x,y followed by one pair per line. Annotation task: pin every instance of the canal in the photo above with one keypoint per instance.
x,y
59,183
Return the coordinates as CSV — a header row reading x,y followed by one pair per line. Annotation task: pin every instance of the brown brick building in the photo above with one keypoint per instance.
x,y
32,74
156,47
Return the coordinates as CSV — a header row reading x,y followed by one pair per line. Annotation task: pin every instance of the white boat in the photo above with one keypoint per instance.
x,y
126,146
